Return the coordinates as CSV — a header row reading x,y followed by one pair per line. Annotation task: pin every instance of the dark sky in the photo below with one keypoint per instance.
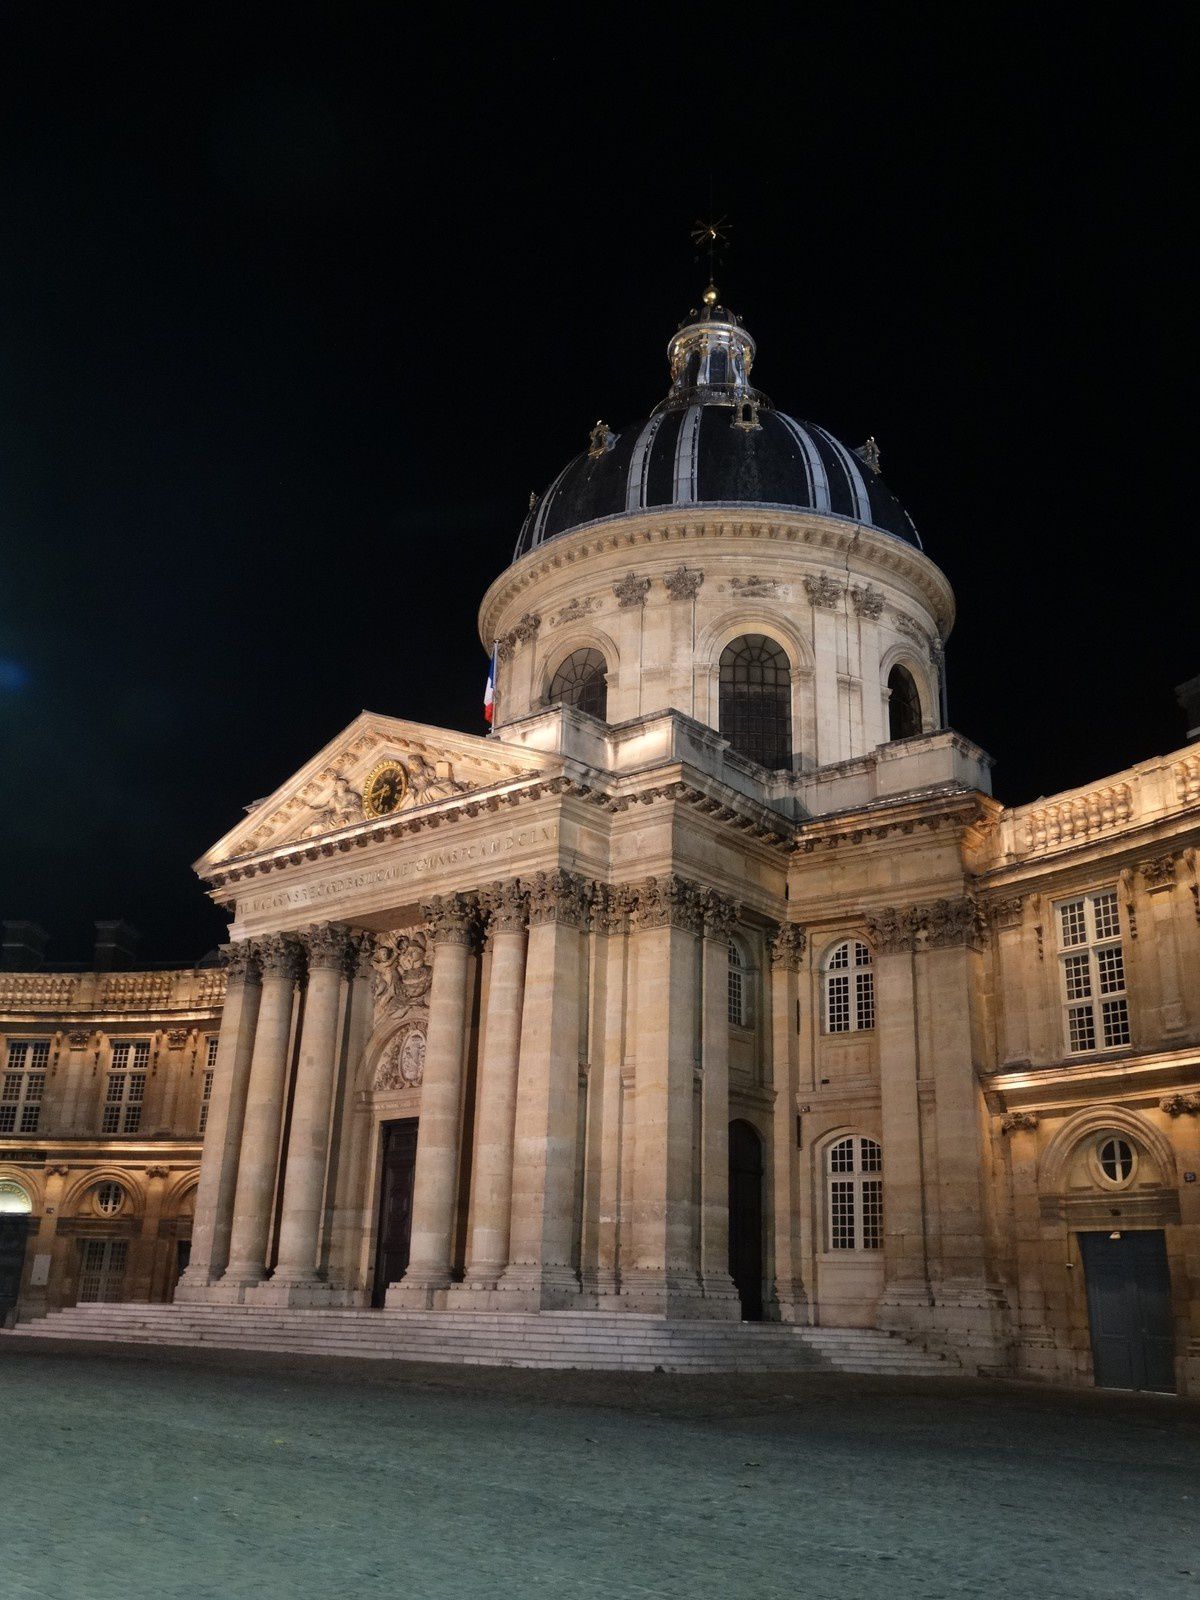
x,y
298,303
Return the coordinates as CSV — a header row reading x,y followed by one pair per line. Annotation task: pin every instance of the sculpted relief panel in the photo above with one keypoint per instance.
x,y
401,973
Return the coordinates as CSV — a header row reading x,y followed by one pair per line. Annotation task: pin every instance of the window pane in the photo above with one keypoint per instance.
x,y
581,681
1071,920
841,1157
1115,1014
1082,1028
838,1003
872,1213
872,1156
866,999
1077,974
841,1214
1110,963
1108,924
755,700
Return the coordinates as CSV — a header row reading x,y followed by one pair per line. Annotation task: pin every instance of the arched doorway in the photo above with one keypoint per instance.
x,y
745,1218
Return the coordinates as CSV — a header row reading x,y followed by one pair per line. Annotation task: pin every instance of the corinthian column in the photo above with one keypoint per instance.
x,y
541,1272
223,1132
663,1275
453,919
492,1175
787,956
718,916
280,957
328,949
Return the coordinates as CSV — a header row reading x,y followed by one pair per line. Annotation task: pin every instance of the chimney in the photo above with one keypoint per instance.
x,y
24,947
1188,695
116,945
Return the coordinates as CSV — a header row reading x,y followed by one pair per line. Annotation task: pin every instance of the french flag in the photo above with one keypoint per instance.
x,y
489,694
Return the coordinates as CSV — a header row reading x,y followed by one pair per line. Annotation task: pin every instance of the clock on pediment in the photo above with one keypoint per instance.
x,y
385,788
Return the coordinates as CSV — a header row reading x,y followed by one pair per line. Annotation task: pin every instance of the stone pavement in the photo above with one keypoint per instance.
x,y
211,1476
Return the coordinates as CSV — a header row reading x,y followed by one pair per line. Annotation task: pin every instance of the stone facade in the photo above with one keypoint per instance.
x,y
103,1104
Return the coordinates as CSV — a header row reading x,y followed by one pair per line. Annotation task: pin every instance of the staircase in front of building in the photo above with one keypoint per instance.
x,y
584,1340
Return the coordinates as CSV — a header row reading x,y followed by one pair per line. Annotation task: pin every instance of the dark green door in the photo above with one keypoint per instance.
x,y
14,1230
1129,1306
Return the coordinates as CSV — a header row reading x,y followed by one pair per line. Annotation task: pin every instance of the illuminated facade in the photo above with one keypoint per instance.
x,y
714,983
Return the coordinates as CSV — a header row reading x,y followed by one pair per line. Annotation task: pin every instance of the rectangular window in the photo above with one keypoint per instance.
x,y
872,1206
1092,961
838,1003
866,999
737,997
205,1101
102,1269
23,1085
841,1214
126,1088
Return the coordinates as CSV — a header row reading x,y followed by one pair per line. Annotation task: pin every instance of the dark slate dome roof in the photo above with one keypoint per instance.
x,y
714,441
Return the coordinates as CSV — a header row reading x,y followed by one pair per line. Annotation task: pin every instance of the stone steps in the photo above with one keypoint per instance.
x,y
598,1341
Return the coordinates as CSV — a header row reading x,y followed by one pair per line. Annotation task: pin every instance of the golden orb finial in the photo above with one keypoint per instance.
x,y
710,295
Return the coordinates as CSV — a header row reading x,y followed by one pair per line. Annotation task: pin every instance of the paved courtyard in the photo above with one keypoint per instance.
x,y
224,1475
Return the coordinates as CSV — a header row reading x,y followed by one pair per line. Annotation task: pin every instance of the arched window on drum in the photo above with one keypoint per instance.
x,y
904,704
581,681
756,700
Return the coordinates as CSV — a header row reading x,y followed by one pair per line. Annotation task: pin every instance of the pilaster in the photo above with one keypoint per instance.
x,y
787,955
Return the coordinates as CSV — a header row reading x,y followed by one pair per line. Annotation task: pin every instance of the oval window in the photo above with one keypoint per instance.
x,y
1116,1160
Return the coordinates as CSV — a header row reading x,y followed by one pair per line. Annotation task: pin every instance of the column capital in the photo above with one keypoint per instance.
x,y
718,913
240,961
936,926
327,945
612,906
279,955
668,902
452,918
559,896
364,953
788,944
506,906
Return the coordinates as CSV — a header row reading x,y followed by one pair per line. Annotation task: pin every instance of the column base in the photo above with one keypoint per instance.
x,y
965,1318
789,1303
419,1291
303,1294
671,1294
526,1288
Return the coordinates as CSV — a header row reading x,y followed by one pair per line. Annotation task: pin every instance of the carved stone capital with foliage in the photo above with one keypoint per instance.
x,y
951,922
718,914
892,929
684,583
788,944
668,902
506,906
240,961
1007,913
279,955
1158,873
560,897
327,946
867,601
613,905
452,918
1180,1105
823,591
631,590
1019,1122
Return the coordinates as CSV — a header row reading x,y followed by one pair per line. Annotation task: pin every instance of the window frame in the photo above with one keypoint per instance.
x,y
124,1109
23,1086
1096,1015
744,709
741,977
857,978
854,1194
207,1081
580,685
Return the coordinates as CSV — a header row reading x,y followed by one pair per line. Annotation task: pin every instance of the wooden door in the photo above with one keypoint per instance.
x,y
1129,1307
745,1218
398,1163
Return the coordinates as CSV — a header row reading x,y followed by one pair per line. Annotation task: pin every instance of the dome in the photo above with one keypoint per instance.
x,y
715,441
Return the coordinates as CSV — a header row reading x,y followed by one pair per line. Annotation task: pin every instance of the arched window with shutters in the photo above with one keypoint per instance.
x,y
854,1194
756,700
849,988
904,704
581,681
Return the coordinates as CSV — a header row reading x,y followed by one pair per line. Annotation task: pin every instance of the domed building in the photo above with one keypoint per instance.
x,y
711,983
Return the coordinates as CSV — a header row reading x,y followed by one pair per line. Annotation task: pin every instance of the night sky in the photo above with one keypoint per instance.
x,y
298,303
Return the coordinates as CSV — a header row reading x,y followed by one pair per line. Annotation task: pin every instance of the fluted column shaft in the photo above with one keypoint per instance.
x,y
265,1095
439,1139
787,954
327,949
492,1176
718,918
540,1273
226,1109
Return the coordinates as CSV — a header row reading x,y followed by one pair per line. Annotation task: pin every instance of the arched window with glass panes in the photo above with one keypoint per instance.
x,y
854,1194
739,987
849,988
581,681
755,710
904,704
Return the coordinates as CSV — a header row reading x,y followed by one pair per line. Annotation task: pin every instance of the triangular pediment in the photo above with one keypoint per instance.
x,y
326,795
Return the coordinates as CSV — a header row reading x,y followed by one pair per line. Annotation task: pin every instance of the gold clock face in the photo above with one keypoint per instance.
x,y
384,789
